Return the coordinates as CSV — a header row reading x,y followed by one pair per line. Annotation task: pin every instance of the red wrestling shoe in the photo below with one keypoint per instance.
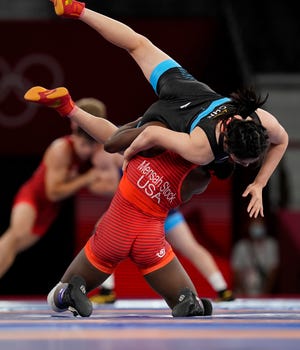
x,y
68,8
58,98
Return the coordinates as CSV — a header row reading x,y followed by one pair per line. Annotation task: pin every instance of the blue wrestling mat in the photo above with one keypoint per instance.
x,y
247,324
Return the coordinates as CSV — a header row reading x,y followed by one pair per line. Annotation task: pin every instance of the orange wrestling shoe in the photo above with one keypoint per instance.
x,y
58,98
68,8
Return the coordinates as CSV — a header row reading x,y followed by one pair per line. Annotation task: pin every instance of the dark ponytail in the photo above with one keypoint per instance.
x,y
246,101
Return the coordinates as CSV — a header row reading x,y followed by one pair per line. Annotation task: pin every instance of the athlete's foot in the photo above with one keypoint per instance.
x,y
104,296
74,298
58,98
225,295
190,305
68,8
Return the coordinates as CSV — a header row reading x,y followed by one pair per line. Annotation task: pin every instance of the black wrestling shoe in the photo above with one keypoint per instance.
x,y
207,306
188,305
75,299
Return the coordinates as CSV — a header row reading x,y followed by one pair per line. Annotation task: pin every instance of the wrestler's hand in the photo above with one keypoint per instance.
x,y
255,206
141,143
124,165
129,153
92,175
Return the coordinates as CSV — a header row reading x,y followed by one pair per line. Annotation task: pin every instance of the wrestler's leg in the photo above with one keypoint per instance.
x,y
19,236
105,293
146,55
70,293
181,238
175,286
60,100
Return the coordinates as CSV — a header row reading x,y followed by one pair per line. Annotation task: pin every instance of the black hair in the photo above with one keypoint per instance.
x,y
246,101
246,139
243,102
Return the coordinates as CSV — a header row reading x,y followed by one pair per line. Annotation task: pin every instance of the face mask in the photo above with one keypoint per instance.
x,y
257,231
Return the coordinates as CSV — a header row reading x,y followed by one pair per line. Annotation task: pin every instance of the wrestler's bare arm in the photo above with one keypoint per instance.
x,y
124,136
108,170
278,144
60,182
193,147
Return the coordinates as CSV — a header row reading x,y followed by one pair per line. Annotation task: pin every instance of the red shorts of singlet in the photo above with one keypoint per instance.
x,y
127,231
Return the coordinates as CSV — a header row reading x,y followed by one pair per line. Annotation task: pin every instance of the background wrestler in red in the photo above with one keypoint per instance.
x,y
69,164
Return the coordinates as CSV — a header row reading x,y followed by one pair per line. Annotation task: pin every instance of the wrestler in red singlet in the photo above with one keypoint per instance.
x,y
149,188
33,191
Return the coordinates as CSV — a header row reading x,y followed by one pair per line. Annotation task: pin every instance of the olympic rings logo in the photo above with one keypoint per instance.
x,y
15,81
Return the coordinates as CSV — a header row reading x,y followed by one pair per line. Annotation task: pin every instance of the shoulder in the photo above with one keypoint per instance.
x,y
59,149
266,117
102,159
61,142
274,129
200,142
272,242
242,245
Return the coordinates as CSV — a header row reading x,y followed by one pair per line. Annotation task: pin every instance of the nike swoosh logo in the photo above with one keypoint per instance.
x,y
184,106
221,159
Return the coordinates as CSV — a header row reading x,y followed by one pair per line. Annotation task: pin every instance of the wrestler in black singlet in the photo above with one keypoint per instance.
x,y
185,103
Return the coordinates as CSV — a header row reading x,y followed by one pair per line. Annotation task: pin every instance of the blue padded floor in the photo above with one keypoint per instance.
x,y
148,325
